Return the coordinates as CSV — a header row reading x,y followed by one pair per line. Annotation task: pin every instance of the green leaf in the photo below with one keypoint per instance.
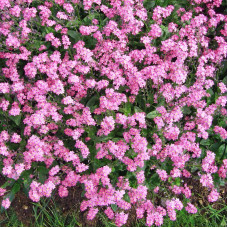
x,y
87,21
127,109
186,110
216,179
8,97
133,182
140,100
23,144
35,44
72,23
16,188
74,34
153,181
6,184
49,30
137,109
116,139
221,151
165,30
121,110
83,193
25,174
169,179
16,119
153,114
214,147
13,146
43,171
149,4
210,91
114,207
177,181
91,131
224,80
145,132
205,142
26,181
92,103
90,42
126,197
194,169
101,138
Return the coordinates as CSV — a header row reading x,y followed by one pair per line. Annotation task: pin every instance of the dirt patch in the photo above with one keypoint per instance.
x,y
222,200
131,217
200,194
22,206
71,202
2,180
89,223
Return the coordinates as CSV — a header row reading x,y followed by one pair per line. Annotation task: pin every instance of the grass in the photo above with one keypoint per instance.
x,y
210,218
10,220
46,214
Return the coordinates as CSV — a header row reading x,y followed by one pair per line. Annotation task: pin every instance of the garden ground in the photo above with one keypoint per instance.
x,y
56,211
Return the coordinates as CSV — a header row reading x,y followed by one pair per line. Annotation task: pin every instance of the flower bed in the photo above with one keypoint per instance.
x,y
126,99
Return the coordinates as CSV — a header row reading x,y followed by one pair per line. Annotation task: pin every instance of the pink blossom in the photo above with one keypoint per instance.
x,y
121,218
6,203
92,213
190,208
107,125
109,212
162,174
213,196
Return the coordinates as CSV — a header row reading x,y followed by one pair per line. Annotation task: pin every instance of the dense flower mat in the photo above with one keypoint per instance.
x,y
124,98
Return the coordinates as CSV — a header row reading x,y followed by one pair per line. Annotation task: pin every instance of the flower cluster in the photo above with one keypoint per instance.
x,y
120,99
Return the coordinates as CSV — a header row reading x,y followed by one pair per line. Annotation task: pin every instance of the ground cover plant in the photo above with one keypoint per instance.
x,y
125,100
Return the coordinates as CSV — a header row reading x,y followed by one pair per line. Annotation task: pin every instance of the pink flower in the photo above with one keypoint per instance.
x,y
206,180
54,170
92,213
109,212
150,219
12,41
221,131
15,110
6,203
90,88
172,133
213,196
16,138
84,149
162,174
63,192
107,125
223,169
156,189
2,191
190,208
4,87
121,218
